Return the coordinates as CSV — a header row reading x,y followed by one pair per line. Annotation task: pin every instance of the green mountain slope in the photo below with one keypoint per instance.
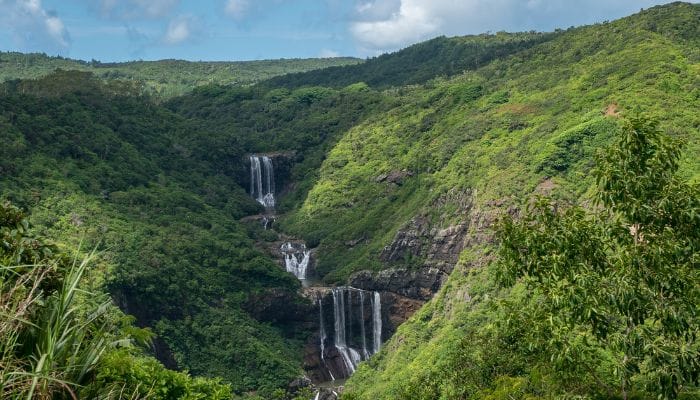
x,y
444,136
164,78
161,201
524,124
502,130
420,62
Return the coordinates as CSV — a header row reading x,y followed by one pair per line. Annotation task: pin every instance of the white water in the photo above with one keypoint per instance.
x,y
267,222
365,354
296,260
262,180
339,324
343,319
377,322
323,328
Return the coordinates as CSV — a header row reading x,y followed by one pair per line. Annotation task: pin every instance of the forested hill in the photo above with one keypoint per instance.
x,y
420,62
164,78
101,165
397,167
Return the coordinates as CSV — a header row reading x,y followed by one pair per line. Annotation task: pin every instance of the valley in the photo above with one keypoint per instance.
x,y
345,229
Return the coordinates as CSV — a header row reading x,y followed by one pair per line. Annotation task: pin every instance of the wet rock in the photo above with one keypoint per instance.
x,y
282,162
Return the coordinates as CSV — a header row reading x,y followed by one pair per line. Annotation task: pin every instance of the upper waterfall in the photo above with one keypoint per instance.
x,y
262,180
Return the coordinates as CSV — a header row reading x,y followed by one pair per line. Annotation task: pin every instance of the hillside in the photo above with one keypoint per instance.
x,y
99,165
420,62
500,131
164,78
479,144
393,173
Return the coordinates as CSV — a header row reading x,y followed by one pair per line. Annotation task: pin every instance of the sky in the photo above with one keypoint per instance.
x,y
233,30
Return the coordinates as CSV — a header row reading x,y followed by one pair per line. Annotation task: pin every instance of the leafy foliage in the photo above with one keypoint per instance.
x,y
541,116
627,274
138,182
57,337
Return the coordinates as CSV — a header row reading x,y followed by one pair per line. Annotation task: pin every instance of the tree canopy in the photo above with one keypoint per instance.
x,y
625,274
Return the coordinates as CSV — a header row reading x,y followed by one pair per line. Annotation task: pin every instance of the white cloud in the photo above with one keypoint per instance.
x,y
410,23
180,29
135,9
383,25
237,8
33,27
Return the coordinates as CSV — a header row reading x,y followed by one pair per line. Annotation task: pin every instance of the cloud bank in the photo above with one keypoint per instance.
x,y
32,27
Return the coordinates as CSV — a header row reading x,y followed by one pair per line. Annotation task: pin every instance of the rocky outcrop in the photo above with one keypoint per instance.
x,y
425,242
395,177
395,309
328,393
419,284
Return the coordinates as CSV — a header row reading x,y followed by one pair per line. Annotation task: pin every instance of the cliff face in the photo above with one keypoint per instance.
x,y
282,161
429,245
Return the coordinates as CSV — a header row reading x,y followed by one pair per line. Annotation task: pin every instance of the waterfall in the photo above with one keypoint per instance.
x,y
296,259
322,333
262,180
348,325
377,322
267,222
362,318
340,343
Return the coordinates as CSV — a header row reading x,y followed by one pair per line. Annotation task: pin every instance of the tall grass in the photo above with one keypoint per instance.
x,y
51,340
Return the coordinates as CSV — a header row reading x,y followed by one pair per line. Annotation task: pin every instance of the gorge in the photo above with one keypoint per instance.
x,y
460,219
354,315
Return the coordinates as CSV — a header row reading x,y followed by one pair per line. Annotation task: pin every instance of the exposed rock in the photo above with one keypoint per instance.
x,y
429,243
328,393
395,309
298,384
399,309
418,284
408,241
282,162
396,177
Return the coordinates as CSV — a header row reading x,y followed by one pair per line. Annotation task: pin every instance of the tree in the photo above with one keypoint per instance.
x,y
627,271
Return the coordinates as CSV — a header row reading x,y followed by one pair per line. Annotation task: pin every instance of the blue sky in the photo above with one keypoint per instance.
x,y
120,30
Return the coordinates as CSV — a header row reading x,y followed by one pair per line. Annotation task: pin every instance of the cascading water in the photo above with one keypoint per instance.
x,y
296,259
323,335
365,354
262,180
350,331
377,321
267,222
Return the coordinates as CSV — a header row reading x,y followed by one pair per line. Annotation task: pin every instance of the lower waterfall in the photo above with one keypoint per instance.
x,y
377,321
353,310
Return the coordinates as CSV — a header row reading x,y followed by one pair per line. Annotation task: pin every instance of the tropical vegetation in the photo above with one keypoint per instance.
x,y
570,159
